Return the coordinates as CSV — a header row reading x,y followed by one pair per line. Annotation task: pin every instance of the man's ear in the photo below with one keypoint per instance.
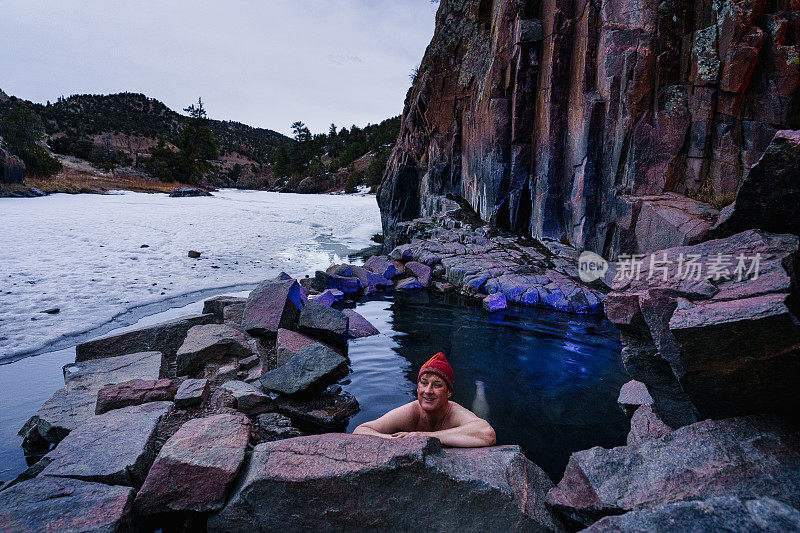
x,y
449,392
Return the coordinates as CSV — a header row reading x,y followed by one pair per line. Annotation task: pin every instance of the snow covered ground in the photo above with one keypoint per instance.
x,y
98,256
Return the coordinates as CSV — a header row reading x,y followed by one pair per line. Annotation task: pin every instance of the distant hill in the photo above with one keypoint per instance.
x,y
132,124
85,115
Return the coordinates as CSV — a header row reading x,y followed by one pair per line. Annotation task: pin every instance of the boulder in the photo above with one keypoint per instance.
x,y
712,514
739,356
380,265
769,197
115,448
741,457
61,504
664,221
717,338
646,425
210,342
632,395
234,313
495,302
348,285
312,365
272,305
275,426
184,192
340,270
76,402
408,284
358,326
369,278
192,392
326,411
323,323
289,343
196,466
165,337
249,400
329,297
134,392
378,484
216,305
421,271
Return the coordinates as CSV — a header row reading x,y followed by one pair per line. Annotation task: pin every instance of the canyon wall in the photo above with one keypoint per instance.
x,y
595,122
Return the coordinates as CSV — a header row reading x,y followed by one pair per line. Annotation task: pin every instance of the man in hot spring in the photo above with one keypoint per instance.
x,y
433,414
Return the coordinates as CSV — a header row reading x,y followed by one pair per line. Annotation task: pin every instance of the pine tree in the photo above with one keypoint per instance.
x,y
197,143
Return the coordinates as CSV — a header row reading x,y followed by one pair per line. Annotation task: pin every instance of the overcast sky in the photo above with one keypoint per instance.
x,y
266,63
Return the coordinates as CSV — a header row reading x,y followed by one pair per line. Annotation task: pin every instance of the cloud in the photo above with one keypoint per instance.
x,y
340,59
266,64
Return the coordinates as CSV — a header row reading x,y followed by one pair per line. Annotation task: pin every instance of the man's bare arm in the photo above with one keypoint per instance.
x,y
468,431
473,434
398,419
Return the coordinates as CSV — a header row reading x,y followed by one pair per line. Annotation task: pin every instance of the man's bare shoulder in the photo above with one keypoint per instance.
x,y
460,415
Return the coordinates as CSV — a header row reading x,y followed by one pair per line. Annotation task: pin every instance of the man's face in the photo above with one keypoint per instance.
x,y
432,392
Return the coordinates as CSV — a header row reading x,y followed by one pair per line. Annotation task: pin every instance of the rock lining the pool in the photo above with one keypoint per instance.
x,y
236,379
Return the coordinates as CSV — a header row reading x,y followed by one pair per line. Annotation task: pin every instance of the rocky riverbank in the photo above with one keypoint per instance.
x,y
241,397
146,414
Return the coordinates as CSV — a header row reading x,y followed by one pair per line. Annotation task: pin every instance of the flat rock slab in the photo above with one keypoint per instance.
x,y
192,392
359,326
323,323
714,514
216,305
196,466
134,392
165,337
327,410
272,305
57,504
249,400
114,448
372,483
75,403
742,457
313,365
210,342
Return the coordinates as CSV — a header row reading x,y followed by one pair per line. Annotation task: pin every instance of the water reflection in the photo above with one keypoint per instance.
x,y
545,380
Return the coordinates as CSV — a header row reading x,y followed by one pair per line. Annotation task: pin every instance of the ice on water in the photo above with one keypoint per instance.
x,y
84,253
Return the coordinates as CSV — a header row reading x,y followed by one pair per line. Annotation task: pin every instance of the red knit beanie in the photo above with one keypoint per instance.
x,y
438,365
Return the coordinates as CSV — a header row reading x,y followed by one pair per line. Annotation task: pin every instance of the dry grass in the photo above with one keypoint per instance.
x,y
82,178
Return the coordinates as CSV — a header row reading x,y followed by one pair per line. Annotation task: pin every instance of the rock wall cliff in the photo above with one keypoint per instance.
x,y
570,119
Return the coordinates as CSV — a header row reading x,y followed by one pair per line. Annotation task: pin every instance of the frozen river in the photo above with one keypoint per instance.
x,y
103,260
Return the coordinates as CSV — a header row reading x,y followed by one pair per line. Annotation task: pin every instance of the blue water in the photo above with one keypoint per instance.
x,y
550,379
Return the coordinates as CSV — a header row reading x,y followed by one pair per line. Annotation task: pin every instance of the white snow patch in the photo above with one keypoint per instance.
x,y
83,254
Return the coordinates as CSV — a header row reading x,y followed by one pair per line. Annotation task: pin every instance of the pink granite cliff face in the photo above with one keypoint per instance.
x,y
552,118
